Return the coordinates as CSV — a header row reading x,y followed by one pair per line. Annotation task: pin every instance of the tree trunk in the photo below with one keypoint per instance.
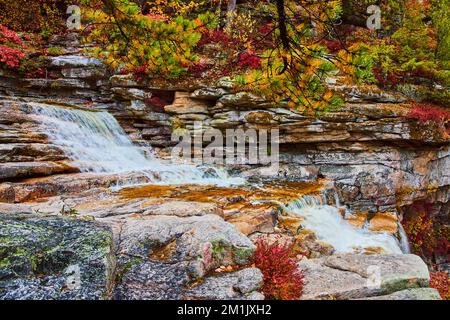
x,y
230,10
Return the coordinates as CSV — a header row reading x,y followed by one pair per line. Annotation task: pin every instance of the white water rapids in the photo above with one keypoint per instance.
x,y
96,143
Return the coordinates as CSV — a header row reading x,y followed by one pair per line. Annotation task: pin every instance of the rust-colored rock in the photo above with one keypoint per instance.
x,y
384,222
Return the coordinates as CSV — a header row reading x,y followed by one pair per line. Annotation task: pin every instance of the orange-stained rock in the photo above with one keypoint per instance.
x,y
290,224
384,222
251,219
357,220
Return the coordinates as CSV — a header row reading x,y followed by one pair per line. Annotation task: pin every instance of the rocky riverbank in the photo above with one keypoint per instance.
x,y
168,242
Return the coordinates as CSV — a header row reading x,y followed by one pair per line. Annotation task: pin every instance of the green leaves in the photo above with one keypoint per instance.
x,y
151,44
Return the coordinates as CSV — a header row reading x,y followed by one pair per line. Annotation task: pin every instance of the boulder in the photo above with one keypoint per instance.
x,y
240,285
54,258
159,256
352,276
411,294
252,219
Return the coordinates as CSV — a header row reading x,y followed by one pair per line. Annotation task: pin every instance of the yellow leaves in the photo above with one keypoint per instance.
x,y
327,96
240,25
174,7
291,104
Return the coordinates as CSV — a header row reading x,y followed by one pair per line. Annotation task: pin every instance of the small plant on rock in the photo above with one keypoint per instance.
x,y
282,279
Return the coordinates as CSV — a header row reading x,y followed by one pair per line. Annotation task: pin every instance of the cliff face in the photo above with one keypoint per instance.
x,y
377,161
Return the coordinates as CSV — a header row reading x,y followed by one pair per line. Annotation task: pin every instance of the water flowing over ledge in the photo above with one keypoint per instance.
x,y
96,143
329,226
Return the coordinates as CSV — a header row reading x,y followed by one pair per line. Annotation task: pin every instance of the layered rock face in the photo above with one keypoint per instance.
x,y
376,160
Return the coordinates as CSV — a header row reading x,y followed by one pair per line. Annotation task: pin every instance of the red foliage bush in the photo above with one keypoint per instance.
x,y
138,72
385,80
214,36
250,60
282,279
427,233
427,113
10,57
9,36
333,45
440,280
198,68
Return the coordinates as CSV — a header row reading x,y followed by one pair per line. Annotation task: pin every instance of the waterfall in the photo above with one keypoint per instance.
x,y
329,226
404,242
96,143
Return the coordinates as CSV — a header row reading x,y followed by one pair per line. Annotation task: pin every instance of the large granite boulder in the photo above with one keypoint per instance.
x,y
352,276
54,258
161,257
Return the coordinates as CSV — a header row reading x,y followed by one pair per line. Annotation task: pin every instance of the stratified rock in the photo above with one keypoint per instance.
x,y
183,209
75,61
19,170
27,152
352,276
243,100
208,93
54,258
62,83
130,93
411,294
243,284
83,73
125,80
183,104
368,93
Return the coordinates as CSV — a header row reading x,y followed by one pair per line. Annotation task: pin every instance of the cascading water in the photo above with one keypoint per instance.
x,y
96,143
329,226
404,242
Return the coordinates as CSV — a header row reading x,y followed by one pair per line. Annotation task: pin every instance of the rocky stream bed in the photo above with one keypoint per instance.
x,y
66,233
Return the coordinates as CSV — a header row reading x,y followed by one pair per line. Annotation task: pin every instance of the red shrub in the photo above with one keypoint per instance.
x,y
10,57
427,233
427,113
333,45
10,36
440,280
250,60
283,280
389,79
265,28
198,68
138,72
214,36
